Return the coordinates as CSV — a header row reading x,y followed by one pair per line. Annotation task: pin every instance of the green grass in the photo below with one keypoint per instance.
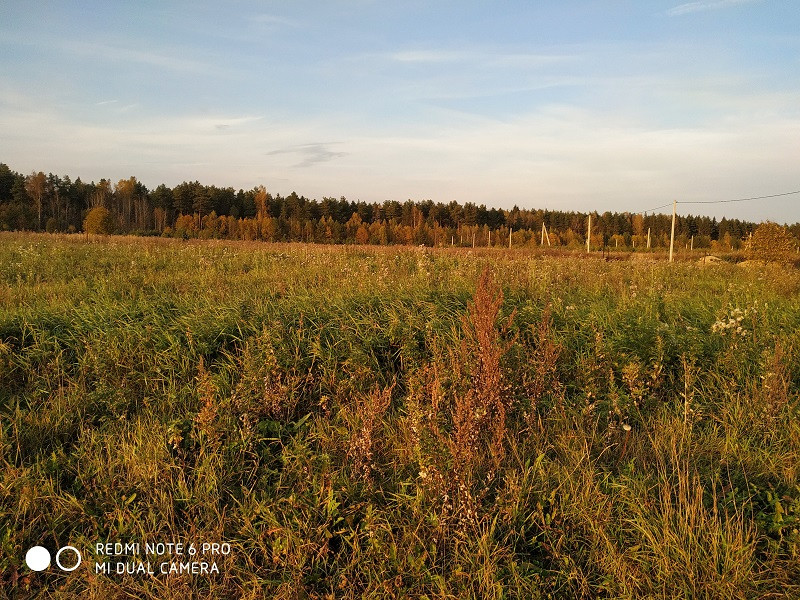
x,y
326,411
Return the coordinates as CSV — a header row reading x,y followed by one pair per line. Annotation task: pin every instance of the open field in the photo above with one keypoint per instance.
x,y
398,423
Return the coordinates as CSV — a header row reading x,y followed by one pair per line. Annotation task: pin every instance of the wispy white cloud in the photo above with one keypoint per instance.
x,y
217,122
704,5
486,56
153,58
431,56
527,60
270,21
161,56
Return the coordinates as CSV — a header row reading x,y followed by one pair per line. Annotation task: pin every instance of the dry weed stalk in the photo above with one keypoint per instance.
x,y
484,407
773,393
430,438
206,420
463,435
545,361
369,413
265,389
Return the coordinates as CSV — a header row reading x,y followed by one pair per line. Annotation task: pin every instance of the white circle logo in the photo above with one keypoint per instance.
x,y
58,557
38,558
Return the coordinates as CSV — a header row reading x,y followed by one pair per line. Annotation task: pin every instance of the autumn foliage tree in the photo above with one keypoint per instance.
x,y
99,220
771,243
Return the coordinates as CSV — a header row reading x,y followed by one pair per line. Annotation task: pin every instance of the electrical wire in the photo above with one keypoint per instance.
x,y
656,208
721,201
739,199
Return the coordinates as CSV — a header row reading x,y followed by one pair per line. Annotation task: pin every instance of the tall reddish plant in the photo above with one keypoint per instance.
x,y
482,411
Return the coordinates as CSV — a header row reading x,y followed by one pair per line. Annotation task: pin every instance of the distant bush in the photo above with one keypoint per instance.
x,y
771,243
99,220
52,225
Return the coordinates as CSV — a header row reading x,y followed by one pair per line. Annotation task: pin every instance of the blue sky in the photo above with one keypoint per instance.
x,y
615,105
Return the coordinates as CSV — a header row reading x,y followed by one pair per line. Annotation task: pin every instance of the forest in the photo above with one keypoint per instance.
x,y
39,202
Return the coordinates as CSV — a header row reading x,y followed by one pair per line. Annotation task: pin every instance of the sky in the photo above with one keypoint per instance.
x,y
618,105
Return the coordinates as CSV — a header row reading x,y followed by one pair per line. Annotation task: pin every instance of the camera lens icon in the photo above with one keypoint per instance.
x,y
38,558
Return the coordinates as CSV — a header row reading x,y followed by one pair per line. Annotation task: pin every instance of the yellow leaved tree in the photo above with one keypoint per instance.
x,y
771,243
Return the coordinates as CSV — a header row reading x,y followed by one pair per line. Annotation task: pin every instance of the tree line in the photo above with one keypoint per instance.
x,y
53,203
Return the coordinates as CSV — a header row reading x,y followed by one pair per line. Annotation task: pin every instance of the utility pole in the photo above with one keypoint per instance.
x,y
672,236
589,233
648,238
510,230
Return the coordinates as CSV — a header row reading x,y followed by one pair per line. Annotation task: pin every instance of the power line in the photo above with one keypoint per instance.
x,y
739,199
721,201
657,207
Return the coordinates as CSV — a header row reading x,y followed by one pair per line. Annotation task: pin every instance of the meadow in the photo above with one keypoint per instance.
x,y
364,422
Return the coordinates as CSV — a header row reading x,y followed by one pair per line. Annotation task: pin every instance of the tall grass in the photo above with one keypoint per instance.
x,y
389,423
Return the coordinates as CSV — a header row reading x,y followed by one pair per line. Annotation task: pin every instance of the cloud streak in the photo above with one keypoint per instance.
x,y
268,21
704,5
489,57
111,52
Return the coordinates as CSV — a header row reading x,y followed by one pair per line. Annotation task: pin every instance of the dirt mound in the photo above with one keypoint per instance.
x,y
752,264
710,260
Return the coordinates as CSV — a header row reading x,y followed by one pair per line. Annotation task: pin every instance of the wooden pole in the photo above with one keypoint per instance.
x,y
589,233
672,235
510,230
490,239
691,248
648,238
